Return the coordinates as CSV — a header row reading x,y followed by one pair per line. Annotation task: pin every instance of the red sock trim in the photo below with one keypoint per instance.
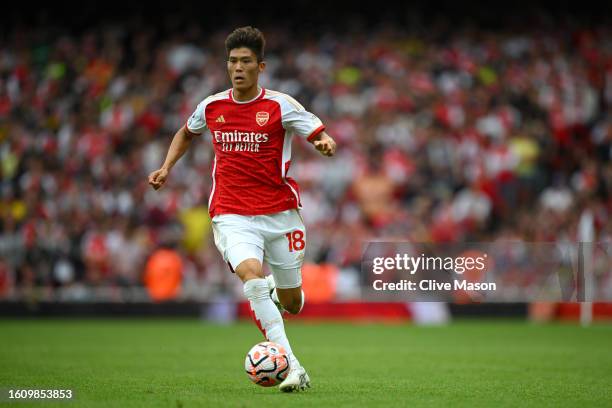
x,y
257,321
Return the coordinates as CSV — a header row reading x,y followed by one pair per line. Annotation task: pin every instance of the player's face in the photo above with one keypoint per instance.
x,y
243,68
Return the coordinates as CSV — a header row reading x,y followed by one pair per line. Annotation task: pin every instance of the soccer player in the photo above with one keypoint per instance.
x,y
253,204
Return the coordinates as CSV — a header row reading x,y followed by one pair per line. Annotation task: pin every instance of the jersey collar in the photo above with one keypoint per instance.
x,y
261,93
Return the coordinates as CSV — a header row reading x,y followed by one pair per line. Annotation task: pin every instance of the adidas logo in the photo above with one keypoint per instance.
x,y
220,119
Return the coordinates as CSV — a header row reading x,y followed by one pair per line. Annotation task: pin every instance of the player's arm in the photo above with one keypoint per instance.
x,y
180,143
324,144
304,123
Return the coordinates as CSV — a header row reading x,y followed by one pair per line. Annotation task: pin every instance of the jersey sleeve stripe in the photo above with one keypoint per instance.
x,y
315,133
293,102
286,97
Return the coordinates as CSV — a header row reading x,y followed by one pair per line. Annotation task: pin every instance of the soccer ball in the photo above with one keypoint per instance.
x,y
267,364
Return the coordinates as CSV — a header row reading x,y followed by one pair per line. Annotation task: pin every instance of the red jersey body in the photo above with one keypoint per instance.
x,y
252,145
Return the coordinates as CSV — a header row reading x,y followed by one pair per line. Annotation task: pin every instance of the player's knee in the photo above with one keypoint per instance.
x,y
249,275
249,269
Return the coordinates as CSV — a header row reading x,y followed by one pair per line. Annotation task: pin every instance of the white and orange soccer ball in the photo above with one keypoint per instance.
x,y
267,364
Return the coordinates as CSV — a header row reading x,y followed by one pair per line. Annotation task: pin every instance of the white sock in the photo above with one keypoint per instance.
x,y
267,316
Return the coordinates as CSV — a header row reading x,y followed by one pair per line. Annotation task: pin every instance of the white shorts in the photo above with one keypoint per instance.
x,y
278,239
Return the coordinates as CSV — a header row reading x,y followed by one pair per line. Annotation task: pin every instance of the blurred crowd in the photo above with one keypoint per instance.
x,y
445,134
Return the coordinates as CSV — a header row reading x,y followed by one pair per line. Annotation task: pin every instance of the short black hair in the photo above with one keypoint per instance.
x,y
247,37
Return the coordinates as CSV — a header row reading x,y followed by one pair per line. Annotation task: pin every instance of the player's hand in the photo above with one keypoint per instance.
x,y
325,145
158,178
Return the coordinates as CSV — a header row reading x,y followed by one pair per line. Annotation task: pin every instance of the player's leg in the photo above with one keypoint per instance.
x,y
242,247
287,289
266,314
292,298
284,252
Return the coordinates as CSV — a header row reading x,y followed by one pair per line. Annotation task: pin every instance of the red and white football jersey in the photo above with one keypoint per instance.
x,y
252,143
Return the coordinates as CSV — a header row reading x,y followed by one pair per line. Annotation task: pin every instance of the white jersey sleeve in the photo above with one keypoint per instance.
x,y
197,121
298,120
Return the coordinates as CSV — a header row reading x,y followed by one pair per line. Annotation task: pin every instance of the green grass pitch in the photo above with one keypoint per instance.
x,y
188,363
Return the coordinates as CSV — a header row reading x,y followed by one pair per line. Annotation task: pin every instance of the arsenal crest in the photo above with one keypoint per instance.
x,y
262,118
